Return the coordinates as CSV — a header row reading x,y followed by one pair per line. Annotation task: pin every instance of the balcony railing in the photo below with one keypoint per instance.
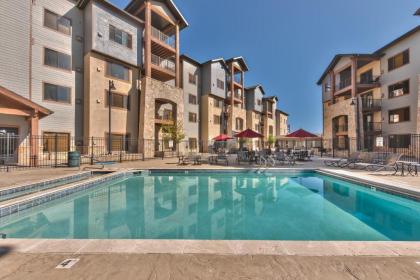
x,y
373,127
237,95
371,104
368,80
164,63
166,39
343,83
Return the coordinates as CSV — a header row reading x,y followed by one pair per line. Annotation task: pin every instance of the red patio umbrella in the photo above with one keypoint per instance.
x,y
222,138
249,133
301,133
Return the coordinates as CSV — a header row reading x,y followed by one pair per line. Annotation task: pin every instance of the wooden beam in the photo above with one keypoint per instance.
x,y
15,112
353,76
177,62
148,39
159,13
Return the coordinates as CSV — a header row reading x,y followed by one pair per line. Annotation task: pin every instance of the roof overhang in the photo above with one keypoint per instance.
x,y
282,112
8,95
271,98
169,3
255,87
190,60
417,13
241,62
402,37
218,60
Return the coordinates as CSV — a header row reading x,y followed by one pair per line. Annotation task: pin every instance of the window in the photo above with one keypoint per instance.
x,y
192,117
118,100
399,115
192,143
117,71
239,124
220,84
399,89
217,119
119,142
56,22
259,102
119,36
400,141
55,142
192,99
192,79
56,59
399,60
218,103
57,93
366,77
270,130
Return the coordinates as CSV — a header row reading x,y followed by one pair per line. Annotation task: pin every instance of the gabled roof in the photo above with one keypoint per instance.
x,y
241,62
282,112
189,59
22,101
81,4
271,98
337,58
172,7
218,60
402,37
417,13
255,87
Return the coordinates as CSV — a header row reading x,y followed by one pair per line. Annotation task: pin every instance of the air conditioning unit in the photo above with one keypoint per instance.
x,y
398,92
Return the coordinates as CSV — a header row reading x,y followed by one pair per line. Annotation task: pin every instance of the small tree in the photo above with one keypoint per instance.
x,y
174,132
271,140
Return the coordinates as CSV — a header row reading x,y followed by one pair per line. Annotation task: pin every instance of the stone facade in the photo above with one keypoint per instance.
x,y
151,91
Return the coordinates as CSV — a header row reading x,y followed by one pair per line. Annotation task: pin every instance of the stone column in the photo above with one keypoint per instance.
x,y
33,126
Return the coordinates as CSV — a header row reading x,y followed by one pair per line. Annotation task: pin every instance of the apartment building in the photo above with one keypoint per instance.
x,y
269,111
254,111
375,96
282,123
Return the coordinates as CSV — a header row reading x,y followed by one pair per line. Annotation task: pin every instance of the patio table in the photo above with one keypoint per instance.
x,y
401,166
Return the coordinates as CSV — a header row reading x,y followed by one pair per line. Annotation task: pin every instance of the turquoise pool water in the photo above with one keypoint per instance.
x,y
227,206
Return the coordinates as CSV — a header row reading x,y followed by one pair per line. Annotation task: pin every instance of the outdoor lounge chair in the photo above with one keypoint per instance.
x,y
353,158
389,163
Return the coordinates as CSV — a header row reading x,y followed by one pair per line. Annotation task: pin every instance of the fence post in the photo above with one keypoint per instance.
x,y
322,146
333,147
55,148
121,148
91,151
163,150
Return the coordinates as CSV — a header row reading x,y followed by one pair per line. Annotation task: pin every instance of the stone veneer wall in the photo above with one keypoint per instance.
x,y
418,104
151,90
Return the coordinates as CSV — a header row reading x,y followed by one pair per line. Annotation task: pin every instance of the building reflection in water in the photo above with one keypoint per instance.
x,y
246,206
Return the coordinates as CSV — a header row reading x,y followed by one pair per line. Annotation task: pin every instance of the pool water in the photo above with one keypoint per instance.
x,y
223,206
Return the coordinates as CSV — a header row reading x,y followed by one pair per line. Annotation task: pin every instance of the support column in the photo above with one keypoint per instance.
x,y
148,39
332,88
33,126
177,62
353,76
232,90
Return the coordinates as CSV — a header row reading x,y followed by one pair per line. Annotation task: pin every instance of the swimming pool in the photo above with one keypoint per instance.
x,y
242,205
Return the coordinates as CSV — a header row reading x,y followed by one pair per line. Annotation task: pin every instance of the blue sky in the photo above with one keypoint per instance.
x,y
288,43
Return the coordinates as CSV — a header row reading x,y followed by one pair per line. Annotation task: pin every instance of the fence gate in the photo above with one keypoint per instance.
x,y
8,145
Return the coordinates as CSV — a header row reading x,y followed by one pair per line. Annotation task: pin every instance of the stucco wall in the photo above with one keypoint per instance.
x,y
191,129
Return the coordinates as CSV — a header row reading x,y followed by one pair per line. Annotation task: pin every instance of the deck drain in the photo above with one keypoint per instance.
x,y
67,264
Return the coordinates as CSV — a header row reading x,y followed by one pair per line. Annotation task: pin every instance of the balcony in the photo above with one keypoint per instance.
x,y
165,119
237,97
163,38
372,127
371,105
343,83
162,69
365,83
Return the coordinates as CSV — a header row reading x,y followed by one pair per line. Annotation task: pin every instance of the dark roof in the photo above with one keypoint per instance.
x,y
282,112
402,37
256,86
81,4
417,13
189,59
171,5
217,60
270,98
336,59
240,60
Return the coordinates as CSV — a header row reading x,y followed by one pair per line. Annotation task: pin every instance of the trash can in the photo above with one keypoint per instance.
x,y
74,159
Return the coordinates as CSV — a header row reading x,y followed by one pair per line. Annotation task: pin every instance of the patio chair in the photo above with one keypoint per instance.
x,y
243,156
390,162
353,158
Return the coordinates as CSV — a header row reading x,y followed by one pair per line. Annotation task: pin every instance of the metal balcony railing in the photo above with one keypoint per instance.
x,y
164,63
371,104
166,39
368,80
373,127
343,83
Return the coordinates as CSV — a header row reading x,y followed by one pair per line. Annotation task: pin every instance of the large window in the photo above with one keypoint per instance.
x,y
400,141
220,84
118,100
121,37
57,59
117,71
239,124
218,103
57,93
192,99
56,22
192,143
399,115
399,89
192,117
119,142
55,142
217,119
399,60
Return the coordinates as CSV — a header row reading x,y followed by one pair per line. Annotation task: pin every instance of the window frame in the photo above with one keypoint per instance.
x,y
220,84
194,98
58,16
58,53
129,36
128,96
391,142
194,119
398,109
217,117
53,137
394,56
400,82
57,101
192,79
109,75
